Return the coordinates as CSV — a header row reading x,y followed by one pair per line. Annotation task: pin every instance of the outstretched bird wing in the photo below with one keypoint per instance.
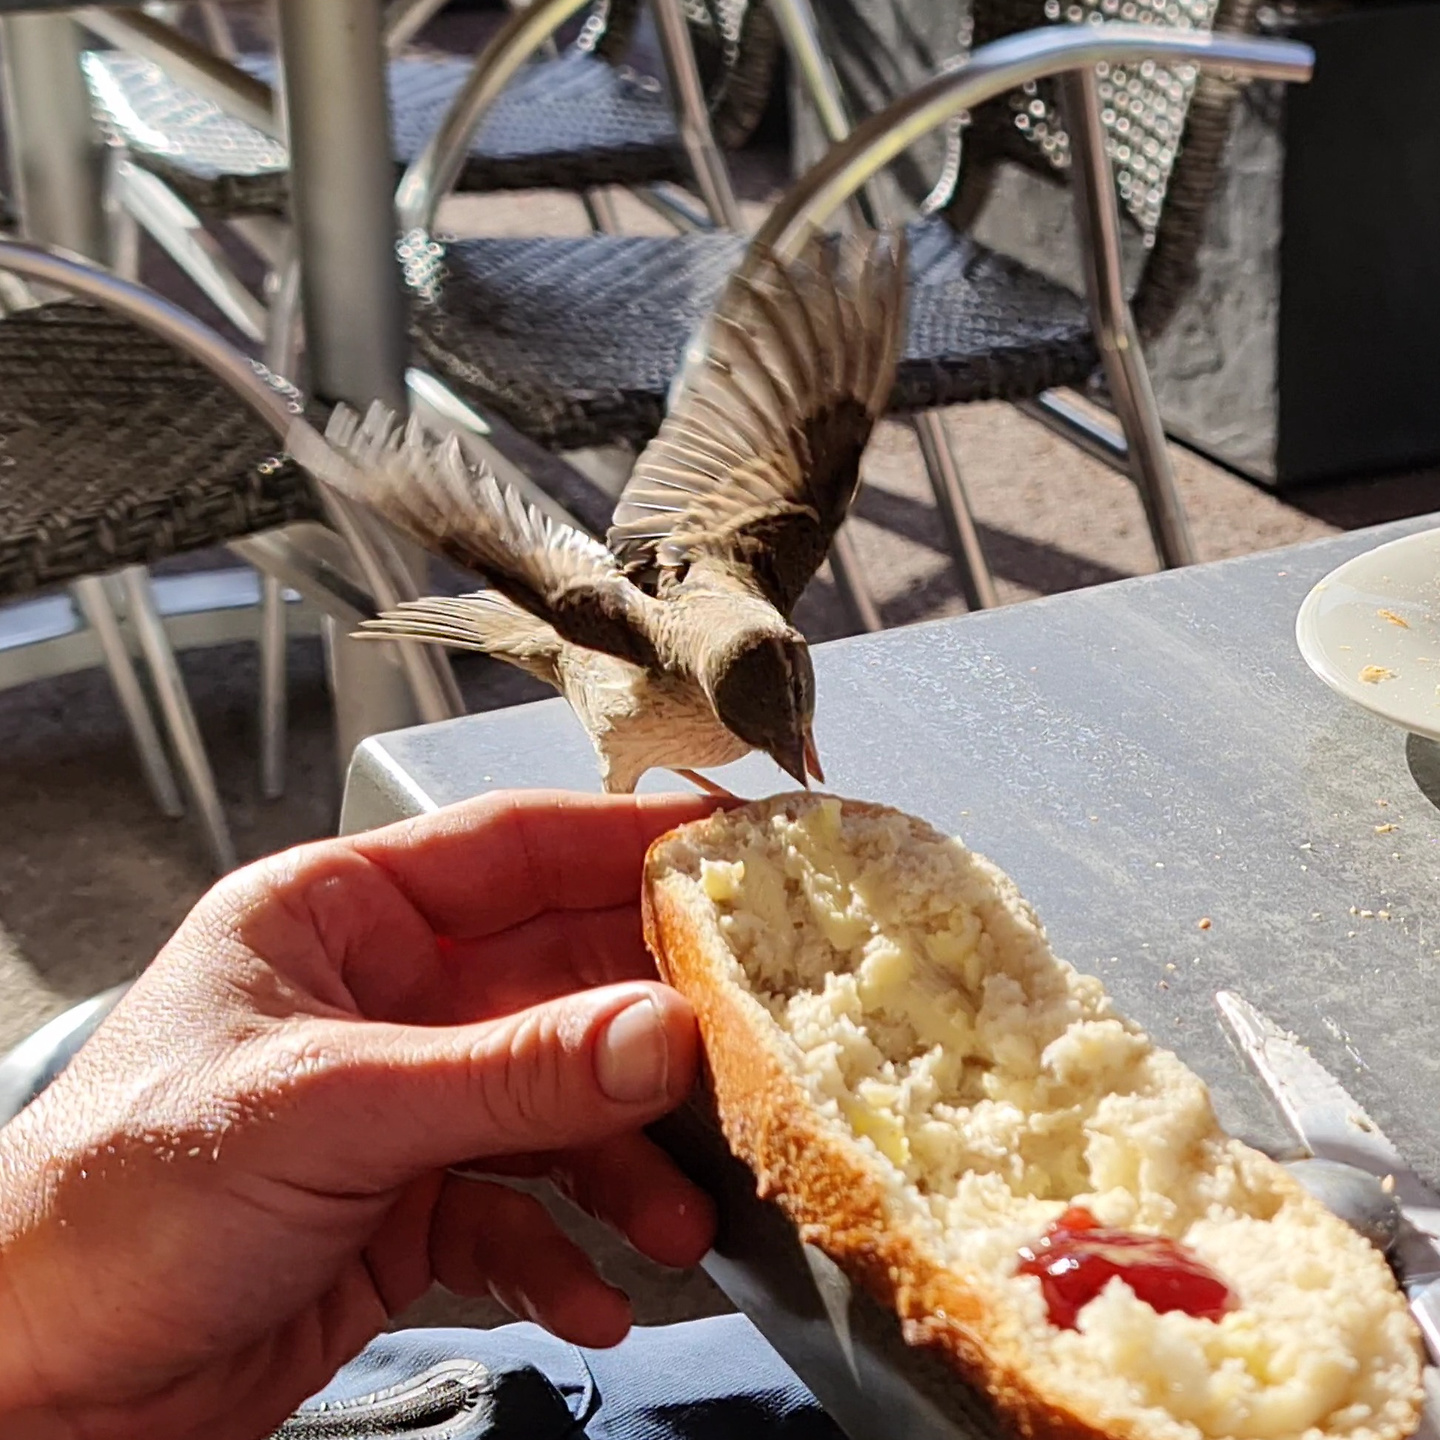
x,y
759,459
440,498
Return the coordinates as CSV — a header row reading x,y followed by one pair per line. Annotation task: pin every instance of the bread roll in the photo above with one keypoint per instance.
x,y
924,1089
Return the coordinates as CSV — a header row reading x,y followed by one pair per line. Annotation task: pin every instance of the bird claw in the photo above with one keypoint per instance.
x,y
708,786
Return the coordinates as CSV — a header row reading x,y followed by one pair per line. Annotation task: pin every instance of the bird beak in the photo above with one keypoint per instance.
x,y
812,758
790,756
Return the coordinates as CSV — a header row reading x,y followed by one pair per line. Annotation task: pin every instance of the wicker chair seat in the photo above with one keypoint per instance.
x,y
566,123
576,341
116,450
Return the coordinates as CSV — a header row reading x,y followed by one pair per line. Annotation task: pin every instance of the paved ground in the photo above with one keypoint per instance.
x,y
92,879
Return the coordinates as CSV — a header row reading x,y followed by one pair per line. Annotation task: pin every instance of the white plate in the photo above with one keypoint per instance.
x,y
1371,631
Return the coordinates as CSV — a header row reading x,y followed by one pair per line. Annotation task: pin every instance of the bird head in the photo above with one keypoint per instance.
x,y
763,689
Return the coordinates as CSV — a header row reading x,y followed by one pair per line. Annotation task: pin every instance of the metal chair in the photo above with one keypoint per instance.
x,y
129,432
1162,134
576,341
199,140
578,120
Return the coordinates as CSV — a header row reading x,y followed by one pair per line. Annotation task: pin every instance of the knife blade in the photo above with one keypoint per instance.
x,y
1329,1120
1335,1126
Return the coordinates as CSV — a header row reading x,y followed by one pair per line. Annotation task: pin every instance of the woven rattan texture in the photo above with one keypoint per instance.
x,y
737,48
576,341
1166,130
566,123
116,450
1144,106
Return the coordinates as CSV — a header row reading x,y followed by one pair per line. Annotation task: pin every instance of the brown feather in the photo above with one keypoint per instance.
x,y
435,494
759,459
485,621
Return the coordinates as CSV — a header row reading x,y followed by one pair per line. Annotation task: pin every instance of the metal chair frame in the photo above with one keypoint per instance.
x,y
357,546
181,232
428,179
139,198
858,155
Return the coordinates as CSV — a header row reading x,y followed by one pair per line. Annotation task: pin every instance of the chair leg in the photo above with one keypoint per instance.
x,y
272,688
693,115
966,553
601,211
847,572
1098,218
179,231
217,30
814,77
94,604
124,228
179,717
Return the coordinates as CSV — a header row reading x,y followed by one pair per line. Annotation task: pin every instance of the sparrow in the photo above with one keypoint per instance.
x,y
672,641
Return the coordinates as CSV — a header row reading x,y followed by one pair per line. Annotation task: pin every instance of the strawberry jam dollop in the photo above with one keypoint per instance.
x,y
1077,1257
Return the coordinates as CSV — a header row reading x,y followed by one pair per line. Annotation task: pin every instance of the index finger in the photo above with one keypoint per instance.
x,y
501,859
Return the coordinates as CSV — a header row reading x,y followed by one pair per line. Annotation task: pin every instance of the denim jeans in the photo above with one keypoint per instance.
x,y
705,1380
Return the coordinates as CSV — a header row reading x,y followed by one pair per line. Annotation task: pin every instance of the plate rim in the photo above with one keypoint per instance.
x,y
1320,663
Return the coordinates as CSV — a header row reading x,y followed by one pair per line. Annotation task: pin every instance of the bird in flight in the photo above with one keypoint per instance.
x,y
672,641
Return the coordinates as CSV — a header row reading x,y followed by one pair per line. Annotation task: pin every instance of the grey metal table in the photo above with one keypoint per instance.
x,y
1139,757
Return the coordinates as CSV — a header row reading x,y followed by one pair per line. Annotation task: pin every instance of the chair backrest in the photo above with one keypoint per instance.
x,y
881,50
1167,128
737,47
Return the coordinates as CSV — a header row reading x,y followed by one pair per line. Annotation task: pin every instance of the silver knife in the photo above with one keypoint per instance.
x,y
1333,1125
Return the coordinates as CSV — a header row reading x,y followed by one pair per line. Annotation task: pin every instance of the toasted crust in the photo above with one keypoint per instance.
x,y
830,1194
831,1190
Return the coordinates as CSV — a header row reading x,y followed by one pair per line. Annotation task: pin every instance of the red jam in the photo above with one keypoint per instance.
x,y
1078,1257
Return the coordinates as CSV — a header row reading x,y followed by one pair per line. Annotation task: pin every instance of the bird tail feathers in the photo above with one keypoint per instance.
x,y
485,621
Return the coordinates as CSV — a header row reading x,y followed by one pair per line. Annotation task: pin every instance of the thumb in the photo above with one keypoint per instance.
x,y
572,1071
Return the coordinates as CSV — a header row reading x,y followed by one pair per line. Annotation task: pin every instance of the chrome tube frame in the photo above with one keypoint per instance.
x,y
180,232
217,29
942,465
847,572
992,71
431,174
1071,53
1098,218
670,207
180,720
56,152
403,20
693,116
94,605
310,560
816,76
601,211
235,91
238,373
1059,414
801,33
273,697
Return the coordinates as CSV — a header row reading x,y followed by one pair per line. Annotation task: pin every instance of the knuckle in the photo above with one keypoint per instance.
x,y
523,1076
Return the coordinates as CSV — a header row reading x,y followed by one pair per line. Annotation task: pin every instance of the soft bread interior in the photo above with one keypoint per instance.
x,y
942,1049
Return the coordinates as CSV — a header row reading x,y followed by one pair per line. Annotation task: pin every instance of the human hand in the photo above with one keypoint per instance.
x,y
243,1174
